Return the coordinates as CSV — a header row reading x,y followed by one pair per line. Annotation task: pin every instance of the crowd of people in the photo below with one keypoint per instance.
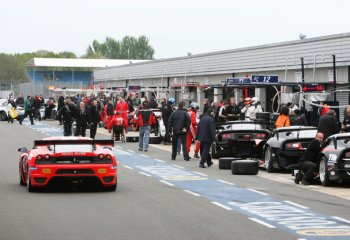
x,y
182,125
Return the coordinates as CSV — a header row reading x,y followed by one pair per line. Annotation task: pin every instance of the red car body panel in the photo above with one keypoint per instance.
x,y
104,169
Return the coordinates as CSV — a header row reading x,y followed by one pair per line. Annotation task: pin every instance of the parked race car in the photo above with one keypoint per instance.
x,y
68,160
286,145
241,139
335,159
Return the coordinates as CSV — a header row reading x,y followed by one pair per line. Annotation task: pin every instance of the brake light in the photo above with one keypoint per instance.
x,y
294,146
228,136
108,157
260,135
100,156
47,157
39,157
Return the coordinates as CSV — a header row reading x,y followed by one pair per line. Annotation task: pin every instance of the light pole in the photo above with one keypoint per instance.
x,y
314,71
285,73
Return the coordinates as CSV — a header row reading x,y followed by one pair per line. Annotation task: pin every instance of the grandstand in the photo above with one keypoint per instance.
x,y
71,73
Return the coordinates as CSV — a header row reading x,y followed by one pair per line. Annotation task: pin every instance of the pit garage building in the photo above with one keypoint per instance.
x,y
199,76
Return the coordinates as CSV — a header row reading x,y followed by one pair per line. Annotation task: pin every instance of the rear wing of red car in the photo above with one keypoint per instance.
x,y
73,142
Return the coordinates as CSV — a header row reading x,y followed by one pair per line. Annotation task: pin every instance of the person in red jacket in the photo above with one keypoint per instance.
x,y
109,112
117,125
123,108
145,119
191,135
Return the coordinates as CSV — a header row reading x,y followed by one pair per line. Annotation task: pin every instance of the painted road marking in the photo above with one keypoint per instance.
x,y
295,204
177,166
199,173
193,193
147,175
222,206
341,219
119,147
256,191
167,183
131,151
226,182
126,166
143,155
160,160
262,223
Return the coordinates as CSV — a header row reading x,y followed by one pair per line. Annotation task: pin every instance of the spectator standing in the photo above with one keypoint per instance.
x,y
82,120
298,119
145,119
20,100
283,118
94,118
240,103
153,103
232,110
37,106
206,105
328,124
166,112
28,110
67,114
179,123
60,104
206,135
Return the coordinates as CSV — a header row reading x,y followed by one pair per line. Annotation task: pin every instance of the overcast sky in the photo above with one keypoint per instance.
x,y
173,27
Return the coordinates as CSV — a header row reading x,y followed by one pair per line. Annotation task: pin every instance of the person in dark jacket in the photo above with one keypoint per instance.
x,y
153,103
67,114
60,104
166,112
297,119
145,119
20,100
179,124
82,120
28,110
206,133
328,124
309,160
37,105
94,118
206,105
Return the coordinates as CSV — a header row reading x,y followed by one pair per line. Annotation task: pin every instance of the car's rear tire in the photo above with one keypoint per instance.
x,y
324,175
30,188
268,160
21,182
3,116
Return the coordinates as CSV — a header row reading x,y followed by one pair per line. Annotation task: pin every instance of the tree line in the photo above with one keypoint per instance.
x,y
12,66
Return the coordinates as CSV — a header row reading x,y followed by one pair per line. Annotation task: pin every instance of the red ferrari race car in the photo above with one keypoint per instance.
x,y
68,160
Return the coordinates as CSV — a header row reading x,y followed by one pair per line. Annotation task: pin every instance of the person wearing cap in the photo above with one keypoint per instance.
x,y
145,119
191,135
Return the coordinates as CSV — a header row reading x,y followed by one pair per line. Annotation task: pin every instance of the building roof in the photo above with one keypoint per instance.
x,y
263,58
79,63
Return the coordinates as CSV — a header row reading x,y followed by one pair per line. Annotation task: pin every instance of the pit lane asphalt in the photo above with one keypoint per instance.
x,y
141,207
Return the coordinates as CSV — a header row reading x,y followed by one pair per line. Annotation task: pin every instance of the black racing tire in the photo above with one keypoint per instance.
x,y
155,140
245,167
30,188
132,139
111,188
324,174
21,182
268,160
3,116
225,162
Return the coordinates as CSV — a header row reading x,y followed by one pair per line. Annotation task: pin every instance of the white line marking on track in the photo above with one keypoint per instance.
x,y
256,191
225,182
145,174
143,155
341,219
295,204
177,166
159,160
262,223
193,193
222,206
199,173
131,151
119,147
126,166
167,183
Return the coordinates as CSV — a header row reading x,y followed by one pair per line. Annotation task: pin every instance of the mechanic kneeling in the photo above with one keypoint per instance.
x,y
308,163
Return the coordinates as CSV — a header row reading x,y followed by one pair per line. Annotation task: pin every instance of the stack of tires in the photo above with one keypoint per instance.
x,y
239,166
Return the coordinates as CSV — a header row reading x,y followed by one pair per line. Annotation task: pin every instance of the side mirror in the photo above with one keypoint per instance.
x,y
22,149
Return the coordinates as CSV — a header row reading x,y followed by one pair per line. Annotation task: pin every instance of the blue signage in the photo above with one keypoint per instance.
x,y
233,81
264,79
